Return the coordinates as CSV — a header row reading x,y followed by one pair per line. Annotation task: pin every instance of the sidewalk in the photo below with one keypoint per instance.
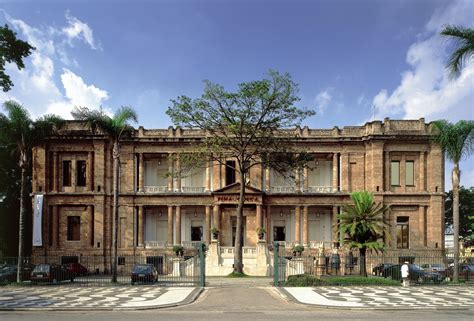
x,y
97,298
384,297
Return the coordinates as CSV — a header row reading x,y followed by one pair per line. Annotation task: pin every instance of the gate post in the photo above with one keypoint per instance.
x,y
276,263
202,265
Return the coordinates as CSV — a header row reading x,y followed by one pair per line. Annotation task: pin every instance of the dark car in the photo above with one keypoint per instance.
x,y
466,272
51,273
8,272
415,274
380,268
76,269
144,273
434,267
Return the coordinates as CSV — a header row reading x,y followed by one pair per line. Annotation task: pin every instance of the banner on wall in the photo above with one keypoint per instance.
x,y
37,220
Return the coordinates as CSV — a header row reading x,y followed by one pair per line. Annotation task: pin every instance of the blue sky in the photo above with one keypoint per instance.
x,y
347,56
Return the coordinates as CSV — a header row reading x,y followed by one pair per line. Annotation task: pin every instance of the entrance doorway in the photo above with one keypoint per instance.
x,y
234,230
279,233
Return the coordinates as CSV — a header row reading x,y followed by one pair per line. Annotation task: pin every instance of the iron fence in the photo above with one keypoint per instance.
x,y
425,266
76,269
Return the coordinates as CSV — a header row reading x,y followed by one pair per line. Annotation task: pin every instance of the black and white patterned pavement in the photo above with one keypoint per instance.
x,y
386,297
72,298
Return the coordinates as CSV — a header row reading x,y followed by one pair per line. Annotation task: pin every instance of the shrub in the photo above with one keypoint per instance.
x,y
311,280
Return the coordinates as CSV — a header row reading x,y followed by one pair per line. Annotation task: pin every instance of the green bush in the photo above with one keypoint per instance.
x,y
237,275
310,280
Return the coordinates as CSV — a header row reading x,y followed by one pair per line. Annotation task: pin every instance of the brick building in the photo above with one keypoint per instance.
x,y
394,159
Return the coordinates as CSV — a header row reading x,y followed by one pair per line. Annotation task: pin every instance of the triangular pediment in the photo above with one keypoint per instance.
x,y
235,189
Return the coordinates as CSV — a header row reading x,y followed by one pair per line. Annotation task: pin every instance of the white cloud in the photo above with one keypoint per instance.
x,y
322,100
425,89
77,29
36,87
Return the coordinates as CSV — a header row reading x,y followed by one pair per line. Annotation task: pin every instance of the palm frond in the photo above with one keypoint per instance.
x,y
463,39
456,140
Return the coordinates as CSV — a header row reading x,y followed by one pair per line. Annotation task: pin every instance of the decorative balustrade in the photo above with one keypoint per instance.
x,y
155,244
156,189
286,245
190,244
227,250
321,189
282,189
321,244
192,189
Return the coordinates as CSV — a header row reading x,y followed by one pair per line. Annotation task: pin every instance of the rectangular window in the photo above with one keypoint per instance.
x,y
395,173
403,232
73,228
409,173
229,172
81,169
67,173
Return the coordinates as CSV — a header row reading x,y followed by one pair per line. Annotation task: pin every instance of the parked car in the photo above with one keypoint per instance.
x,y
434,267
466,272
415,274
51,273
380,268
8,272
144,273
76,269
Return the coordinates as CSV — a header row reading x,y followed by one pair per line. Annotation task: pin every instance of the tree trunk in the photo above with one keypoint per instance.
x,y
456,176
21,225
238,261
362,259
116,156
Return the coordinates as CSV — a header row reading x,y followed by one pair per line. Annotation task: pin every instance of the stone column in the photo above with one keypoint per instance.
x,y
55,225
387,171
141,173
267,179
170,225
217,219
177,231
297,224
178,175
170,175
335,229
208,176
207,226
305,179
90,217
268,221
421,227
305,226
422,182
90,169
297,180
141,226
55,172
335,171
259,215
345,183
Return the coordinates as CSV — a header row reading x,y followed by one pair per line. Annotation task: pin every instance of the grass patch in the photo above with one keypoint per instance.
x,y
310,280
237,275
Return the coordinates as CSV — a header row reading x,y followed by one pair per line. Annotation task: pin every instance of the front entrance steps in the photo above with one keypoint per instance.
x,y
244,282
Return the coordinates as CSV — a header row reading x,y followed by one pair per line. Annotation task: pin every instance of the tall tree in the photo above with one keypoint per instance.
x,y
466,212
18,128
365,225
117,127
463,39
246,126
12,50
456,140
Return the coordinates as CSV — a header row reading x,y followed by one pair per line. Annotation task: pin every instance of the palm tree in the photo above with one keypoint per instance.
x,y
364,225
116,127
464,39
22,133
456,140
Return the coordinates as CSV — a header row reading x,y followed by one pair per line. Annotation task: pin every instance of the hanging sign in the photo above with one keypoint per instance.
x,y
37,221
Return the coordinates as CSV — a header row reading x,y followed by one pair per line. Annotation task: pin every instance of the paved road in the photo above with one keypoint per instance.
x,y
234,303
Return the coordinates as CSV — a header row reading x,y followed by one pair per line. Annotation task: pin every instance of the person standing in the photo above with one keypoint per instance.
x,y
405,274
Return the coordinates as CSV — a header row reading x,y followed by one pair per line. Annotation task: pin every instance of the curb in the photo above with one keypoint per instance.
x,y
285,294
189,299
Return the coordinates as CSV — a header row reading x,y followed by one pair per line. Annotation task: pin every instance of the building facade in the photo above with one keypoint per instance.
x,y
394,159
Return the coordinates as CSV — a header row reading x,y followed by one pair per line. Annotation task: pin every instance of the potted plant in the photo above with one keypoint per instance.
x,y
215,233
261,232
298,249
179,250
